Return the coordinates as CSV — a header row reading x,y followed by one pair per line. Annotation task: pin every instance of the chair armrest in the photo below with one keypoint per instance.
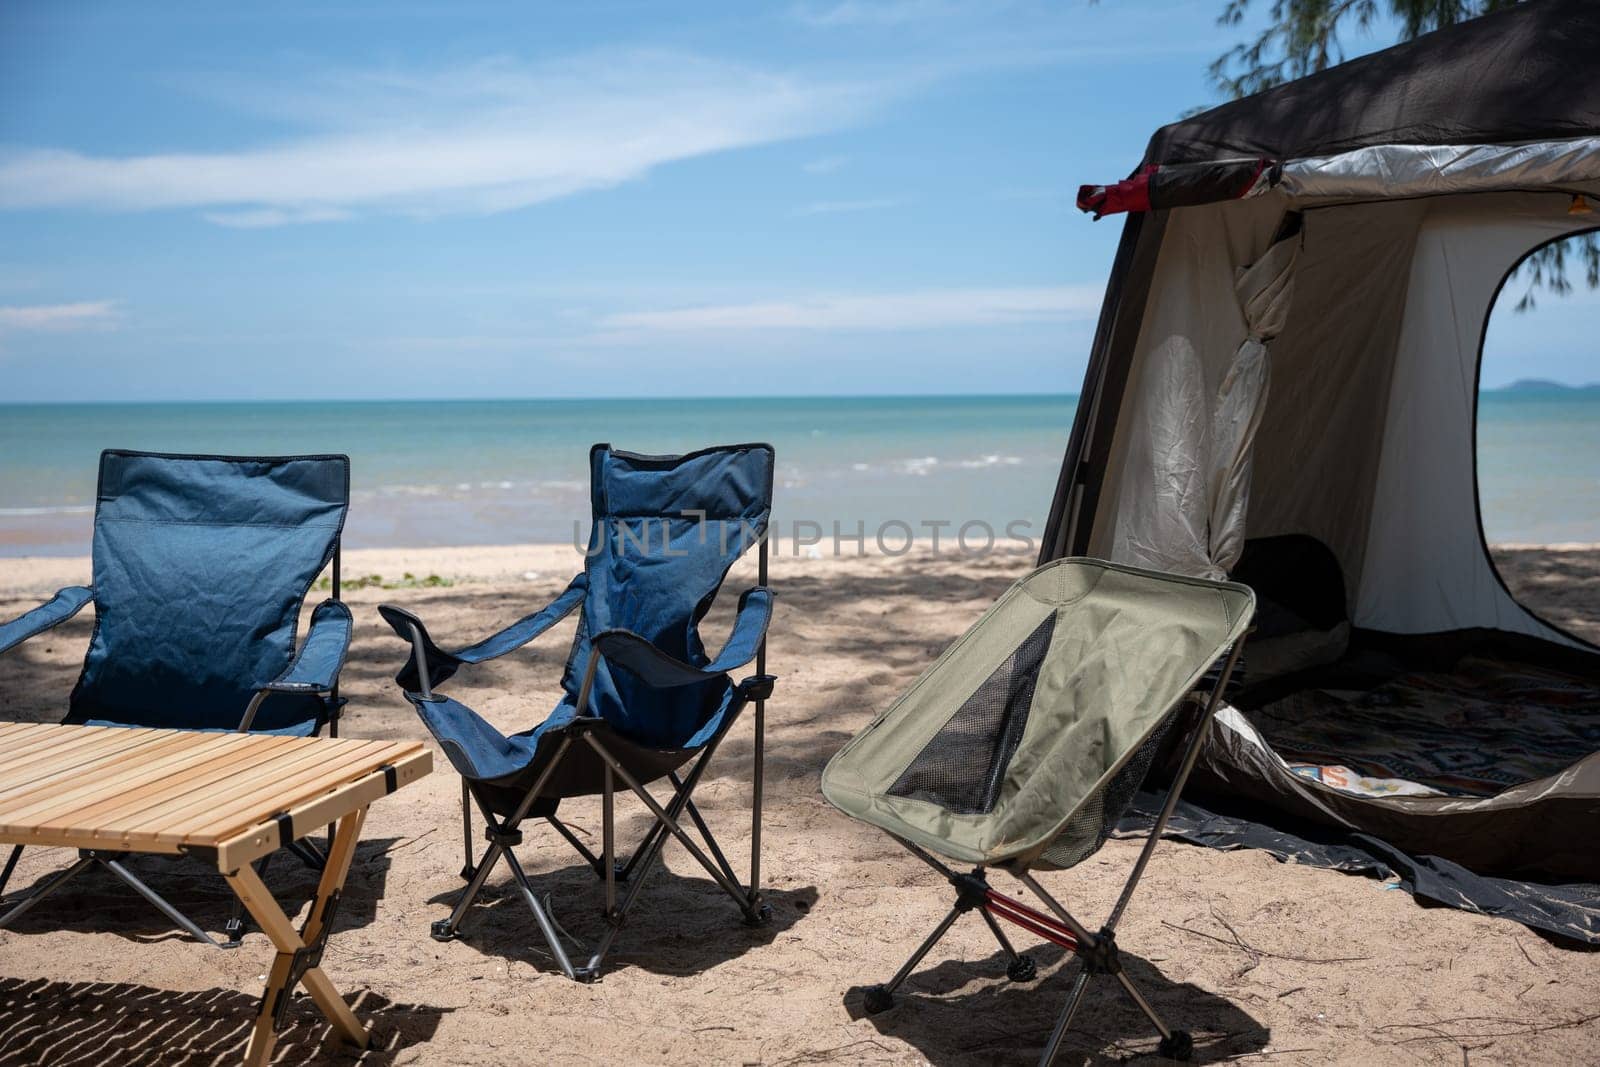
x,y
316,668
664,671
438,664
58,609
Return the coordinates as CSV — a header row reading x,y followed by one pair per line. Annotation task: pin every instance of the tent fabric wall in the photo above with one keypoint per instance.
x,y
1425,568
1187,480
1184,345
1321,438
1266,292
1367,442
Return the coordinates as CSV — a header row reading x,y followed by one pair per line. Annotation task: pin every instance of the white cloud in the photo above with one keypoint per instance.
x,y
488,137
826,165
838,207
261,218
914,310
873,12
85,315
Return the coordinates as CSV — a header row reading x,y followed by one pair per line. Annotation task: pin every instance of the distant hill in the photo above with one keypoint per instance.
x,y
1544,385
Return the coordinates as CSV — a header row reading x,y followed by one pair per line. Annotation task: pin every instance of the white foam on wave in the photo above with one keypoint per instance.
x,y
47,509
993,460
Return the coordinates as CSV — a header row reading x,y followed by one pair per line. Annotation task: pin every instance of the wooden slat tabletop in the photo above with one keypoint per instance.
x,y
138,790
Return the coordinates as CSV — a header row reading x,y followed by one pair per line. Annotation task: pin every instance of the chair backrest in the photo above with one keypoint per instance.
x,y
666,531
1031,732
201,564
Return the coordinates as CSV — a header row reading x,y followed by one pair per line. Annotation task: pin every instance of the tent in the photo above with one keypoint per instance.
x,y
1282,389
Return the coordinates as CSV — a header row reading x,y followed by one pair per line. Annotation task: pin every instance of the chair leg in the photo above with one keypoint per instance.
x,y
608,843
114,865
1052,1047
645,858
625,870
11,865
547,926
648,855
880,998
308,854
578,846
1019,968
503,834
447,929
758,777
1175,1044
705,834
56,882
753,909
466,830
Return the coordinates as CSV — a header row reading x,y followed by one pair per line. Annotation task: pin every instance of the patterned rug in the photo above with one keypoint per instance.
x,y
1475,731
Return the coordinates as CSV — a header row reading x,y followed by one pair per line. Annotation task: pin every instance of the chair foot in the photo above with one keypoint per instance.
x,y
1180,1046
586,975
619,870
877,999
1022,969
467,872
761,916
442,930
234,929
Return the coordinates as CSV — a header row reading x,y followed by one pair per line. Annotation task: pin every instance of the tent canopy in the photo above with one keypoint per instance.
x,y
1522,74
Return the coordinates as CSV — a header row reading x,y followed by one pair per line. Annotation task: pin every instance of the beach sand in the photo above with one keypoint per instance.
x,y
1269,961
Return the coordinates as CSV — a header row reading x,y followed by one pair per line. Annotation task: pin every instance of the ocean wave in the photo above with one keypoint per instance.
x,y
922,466
994,460
465,488
47,509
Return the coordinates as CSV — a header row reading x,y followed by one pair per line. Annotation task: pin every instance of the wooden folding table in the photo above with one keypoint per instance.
x,y
227,798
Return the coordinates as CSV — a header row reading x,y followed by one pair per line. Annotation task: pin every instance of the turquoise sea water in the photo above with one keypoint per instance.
x,y
1539,465
469,472
496,472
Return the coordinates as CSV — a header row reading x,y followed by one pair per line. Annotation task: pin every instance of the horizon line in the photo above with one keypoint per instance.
x,y
1519,385
548,399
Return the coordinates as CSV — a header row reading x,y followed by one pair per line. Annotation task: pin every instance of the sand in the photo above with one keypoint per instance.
x,y
1263,961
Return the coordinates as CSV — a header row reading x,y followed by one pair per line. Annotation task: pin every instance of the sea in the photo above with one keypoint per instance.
x,y
468,472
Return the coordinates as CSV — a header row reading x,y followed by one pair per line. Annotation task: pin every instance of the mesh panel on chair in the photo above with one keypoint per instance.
x,y
962,767
1097,816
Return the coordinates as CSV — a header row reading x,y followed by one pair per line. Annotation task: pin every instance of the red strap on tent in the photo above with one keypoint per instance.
x,y
1182,185
1035,922
1130,194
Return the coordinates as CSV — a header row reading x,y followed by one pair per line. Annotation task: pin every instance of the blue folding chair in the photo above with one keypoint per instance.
x,y
201,566
641,699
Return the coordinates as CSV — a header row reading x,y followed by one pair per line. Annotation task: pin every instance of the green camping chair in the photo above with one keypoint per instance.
x,y
1022,745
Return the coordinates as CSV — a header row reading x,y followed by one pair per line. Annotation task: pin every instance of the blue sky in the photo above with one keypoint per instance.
x,y
598,199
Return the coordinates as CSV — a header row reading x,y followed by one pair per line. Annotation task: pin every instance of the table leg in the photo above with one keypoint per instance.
x,y
299,952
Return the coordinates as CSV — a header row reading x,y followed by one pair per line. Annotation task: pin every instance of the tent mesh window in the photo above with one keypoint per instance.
x,y
962,767
1099,813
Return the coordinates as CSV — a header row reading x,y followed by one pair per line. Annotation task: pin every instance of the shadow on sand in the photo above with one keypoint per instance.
x,y
962,1012
679,926
96,901
90,1024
